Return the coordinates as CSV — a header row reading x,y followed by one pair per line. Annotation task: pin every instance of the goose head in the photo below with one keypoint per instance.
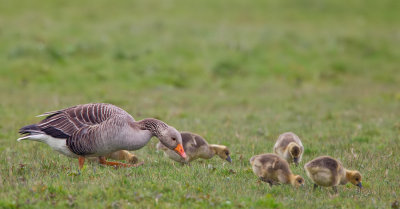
x,y
172,139
168,135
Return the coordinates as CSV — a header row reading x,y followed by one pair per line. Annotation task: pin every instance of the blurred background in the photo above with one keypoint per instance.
x,y
185,61
269,62
92,49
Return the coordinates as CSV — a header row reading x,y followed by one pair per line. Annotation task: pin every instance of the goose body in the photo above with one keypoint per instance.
x,y
289,147
273,169
95,130
196,147
328,172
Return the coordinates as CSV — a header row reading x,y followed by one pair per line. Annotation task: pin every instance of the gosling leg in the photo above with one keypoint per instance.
x,y
335,189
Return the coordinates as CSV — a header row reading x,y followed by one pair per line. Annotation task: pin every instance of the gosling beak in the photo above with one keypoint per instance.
x,y
180,151
229,159
296,161
359,185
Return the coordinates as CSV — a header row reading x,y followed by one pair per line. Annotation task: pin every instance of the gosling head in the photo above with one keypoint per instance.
x,y
297,181
172,139
133,159
223,152
294,150
354,177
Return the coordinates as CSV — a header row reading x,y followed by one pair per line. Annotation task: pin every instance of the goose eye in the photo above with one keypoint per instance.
x,y
173,138
300,181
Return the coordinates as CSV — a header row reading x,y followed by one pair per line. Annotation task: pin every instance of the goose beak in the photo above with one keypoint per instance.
x,y
180,151
359,185
229,159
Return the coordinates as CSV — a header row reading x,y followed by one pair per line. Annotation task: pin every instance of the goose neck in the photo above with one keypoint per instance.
x,y
153,125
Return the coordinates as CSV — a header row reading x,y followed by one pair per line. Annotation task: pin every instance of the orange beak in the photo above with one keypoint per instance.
x,y
180,151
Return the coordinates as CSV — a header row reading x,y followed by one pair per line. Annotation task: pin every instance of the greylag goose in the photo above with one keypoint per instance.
x,y
196,147
95,130
328,172
289,147
274,170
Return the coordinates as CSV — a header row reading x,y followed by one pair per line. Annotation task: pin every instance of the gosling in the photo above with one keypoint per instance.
x,y
123,155
289,147
328,172
273,169
119,155
196,147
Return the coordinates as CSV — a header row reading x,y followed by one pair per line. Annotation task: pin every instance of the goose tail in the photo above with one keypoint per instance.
x,y
29,130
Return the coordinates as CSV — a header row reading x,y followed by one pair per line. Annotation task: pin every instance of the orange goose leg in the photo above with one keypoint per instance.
x,y
81,162
103,161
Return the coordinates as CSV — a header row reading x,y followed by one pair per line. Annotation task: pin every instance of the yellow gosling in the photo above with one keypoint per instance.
x,y
274,170
289,147
328,172
119,155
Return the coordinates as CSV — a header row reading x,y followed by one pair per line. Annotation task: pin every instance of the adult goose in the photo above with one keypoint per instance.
x,y
95,130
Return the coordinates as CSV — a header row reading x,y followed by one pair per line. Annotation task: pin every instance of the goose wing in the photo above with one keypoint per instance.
x,y
81,125
64,123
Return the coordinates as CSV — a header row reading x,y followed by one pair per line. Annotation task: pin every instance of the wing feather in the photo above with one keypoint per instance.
x,y
70,120
83,126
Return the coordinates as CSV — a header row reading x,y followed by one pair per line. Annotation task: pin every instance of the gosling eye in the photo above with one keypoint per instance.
x,y
356,179
299,181
226,152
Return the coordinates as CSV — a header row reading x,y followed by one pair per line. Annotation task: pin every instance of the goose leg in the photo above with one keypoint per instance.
x,y
267,180
103,161
81,162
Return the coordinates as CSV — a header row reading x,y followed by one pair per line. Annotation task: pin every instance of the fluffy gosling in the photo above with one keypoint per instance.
x,y
196,147
120,155
123,155
289,147
274,170
328,172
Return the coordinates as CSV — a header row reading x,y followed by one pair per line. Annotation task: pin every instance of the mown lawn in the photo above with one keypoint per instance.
x,y
238,73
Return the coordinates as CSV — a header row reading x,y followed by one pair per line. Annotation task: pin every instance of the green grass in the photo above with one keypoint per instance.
x,y
235,72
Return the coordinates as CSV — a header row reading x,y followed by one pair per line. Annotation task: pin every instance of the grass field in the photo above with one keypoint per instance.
x,y
235,72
